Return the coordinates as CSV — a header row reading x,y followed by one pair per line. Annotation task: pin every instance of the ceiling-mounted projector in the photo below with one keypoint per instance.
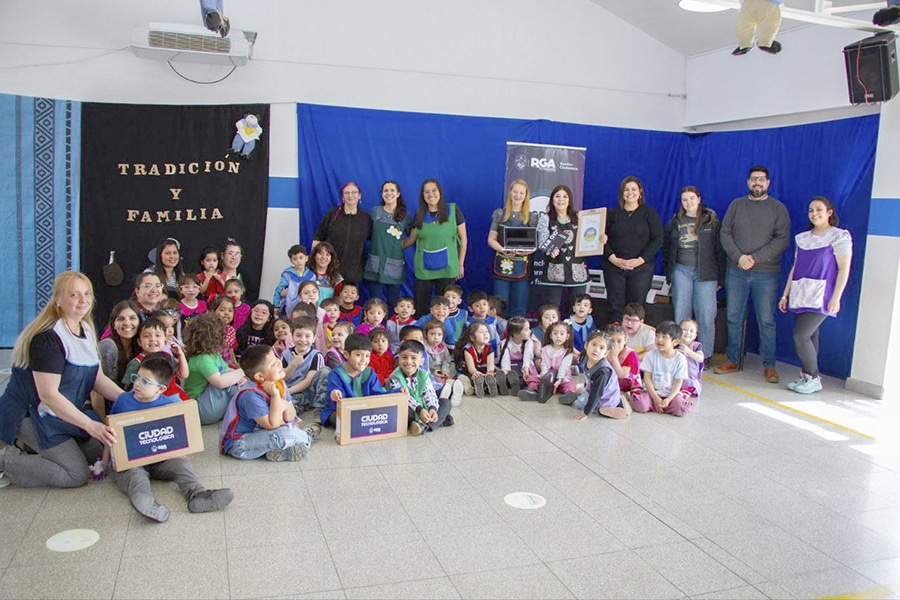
x,y
191,43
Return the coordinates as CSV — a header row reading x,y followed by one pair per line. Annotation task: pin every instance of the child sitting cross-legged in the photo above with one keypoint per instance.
x,y
261,420
150,380
353,379
475,360
426,410
305,373
516,357
665,371
601,393
555,374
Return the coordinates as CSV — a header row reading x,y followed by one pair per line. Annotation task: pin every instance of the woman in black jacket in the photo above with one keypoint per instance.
x,y
634,234
695,264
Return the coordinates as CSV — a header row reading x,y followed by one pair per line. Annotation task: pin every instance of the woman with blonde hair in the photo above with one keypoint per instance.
x,y
55,368
511,266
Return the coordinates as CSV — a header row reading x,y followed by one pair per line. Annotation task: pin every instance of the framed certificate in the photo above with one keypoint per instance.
x,y
591,231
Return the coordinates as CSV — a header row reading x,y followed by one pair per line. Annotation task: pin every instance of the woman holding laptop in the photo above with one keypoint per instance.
x,y
511,266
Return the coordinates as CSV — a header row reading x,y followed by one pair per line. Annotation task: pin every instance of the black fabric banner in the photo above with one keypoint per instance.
x,y
150,172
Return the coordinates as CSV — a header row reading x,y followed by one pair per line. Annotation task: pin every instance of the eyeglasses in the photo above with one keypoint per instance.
x,y
260,310
631,320
233,253
137,379
351,193
758,178
151,286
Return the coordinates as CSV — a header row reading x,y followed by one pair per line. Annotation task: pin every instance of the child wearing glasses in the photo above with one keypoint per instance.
x,y
135,483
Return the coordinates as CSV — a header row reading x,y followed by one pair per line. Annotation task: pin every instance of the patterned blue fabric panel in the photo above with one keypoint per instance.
x,y
40,183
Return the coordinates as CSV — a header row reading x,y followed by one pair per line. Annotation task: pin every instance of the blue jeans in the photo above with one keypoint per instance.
x,y
516,295
378,290
695,299
256,443
763,288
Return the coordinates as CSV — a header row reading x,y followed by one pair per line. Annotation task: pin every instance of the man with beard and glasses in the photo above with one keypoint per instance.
x,y
755,232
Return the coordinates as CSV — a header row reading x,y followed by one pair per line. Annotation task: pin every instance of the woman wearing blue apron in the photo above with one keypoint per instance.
x,y
55,368
439,234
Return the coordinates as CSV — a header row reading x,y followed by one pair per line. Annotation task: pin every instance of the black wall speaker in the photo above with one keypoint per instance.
x,y
872,69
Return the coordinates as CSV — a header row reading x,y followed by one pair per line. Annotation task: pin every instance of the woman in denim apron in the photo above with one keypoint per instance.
x,y
55,368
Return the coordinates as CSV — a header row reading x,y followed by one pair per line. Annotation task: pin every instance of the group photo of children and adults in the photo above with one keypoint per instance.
x,y
271,367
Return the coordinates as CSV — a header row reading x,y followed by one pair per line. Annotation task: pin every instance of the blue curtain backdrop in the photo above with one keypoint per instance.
x,y
467,155
39,194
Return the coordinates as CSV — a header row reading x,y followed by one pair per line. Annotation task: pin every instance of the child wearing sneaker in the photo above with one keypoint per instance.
x,y
135,483
403,316
353,379
475,360
305,373
555,375
665,371
601,388
516,357
426,410
581,321
693,352
638,336
261,420
440,364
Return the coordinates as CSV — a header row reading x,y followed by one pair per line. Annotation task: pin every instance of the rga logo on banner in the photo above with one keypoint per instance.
x,y
543,164
521,162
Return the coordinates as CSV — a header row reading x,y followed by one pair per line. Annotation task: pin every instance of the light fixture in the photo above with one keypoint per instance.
x,y
700,6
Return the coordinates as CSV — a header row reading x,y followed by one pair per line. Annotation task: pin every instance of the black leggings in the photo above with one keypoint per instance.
x,y
422,293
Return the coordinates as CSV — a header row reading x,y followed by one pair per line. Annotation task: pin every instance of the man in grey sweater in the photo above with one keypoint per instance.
x,y
755,233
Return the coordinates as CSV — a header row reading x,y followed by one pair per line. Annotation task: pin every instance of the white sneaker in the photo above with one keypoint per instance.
x,y
810,386
793,385
4,480
457,393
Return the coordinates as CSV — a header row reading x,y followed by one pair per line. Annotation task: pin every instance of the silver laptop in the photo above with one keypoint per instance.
x,y
518,238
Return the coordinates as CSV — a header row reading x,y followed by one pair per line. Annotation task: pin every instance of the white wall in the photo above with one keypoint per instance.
x,y
566,60
525,59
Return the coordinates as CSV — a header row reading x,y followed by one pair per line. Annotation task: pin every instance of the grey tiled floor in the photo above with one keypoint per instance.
x,y
745,498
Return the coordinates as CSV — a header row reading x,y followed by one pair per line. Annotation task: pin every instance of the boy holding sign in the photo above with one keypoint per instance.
x,y
135,483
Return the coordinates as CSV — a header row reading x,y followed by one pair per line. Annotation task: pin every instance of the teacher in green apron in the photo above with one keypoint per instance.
x,y
385,266
439,233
